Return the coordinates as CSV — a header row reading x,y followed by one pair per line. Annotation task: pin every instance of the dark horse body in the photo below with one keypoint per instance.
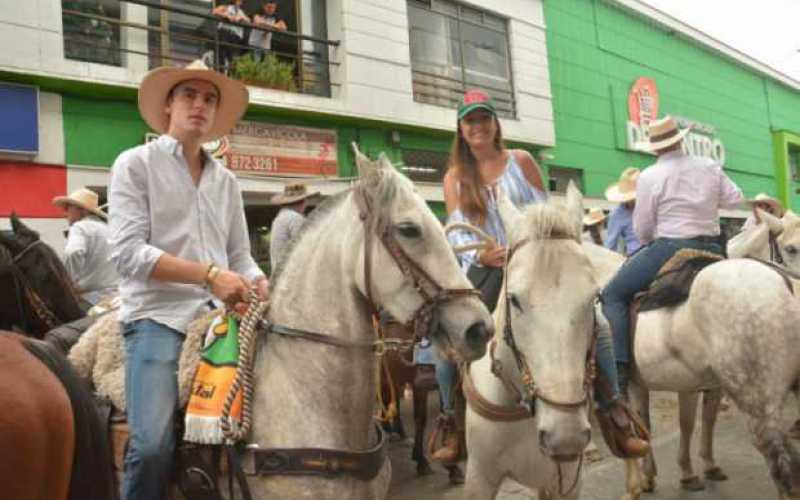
x,y
37,294
403,372
52,445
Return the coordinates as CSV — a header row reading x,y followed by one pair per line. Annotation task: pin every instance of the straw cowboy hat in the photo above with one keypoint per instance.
x,y
82,198
157,84
765,199
594,216
292,193
664,133
624,190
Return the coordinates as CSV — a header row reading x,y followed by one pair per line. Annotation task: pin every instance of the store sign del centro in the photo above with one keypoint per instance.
x,y
643,107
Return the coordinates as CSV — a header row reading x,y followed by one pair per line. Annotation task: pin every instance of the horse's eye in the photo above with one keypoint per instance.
x,y
408,230
515,302
791,249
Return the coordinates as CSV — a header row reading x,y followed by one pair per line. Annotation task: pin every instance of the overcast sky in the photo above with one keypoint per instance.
x,y
767,30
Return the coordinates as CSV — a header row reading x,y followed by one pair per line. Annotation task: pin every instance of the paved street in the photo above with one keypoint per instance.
x,y
604,480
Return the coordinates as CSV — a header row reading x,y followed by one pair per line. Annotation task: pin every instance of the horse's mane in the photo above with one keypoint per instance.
x,y
550,220
387,190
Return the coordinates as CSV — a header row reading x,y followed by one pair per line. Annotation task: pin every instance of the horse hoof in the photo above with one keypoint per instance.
x,y
424,469
715,474
456,476
648,485
692,484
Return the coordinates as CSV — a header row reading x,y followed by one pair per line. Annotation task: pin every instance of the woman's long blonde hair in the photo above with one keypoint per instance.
x,y
464,166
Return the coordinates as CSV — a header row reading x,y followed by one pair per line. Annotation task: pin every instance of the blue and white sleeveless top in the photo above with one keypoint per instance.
x,y
517,188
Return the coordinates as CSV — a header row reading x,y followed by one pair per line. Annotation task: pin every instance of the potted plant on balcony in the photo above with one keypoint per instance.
x,y
270,73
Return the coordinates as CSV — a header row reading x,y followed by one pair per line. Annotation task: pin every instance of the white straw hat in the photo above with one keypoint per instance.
x,y
664,133
156,85
594,216
763,198
82,198
624,190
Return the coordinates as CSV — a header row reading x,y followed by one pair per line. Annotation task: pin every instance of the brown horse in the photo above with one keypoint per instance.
x,y
402,372
36,293
52,445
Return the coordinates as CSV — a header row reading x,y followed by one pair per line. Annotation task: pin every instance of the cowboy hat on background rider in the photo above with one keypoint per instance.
x,y
179,239
620,220
592,225
677,206
766,203
87,255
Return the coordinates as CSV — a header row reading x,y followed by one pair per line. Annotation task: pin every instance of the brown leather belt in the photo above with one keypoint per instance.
x,y
486,408
364,465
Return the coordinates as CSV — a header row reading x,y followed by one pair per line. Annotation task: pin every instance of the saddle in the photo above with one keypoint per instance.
x,y
674,281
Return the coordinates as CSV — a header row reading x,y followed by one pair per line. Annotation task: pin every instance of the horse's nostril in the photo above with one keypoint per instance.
x,y
477,334
544,440
587,435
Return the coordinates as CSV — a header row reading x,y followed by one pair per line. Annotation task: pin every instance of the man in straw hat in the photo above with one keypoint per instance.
x,y
677,205
293,202
592,226
87,254
179,239
766,203
620,221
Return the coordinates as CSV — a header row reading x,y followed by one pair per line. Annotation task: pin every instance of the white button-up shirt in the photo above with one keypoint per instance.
x,y
680,197
285,227
87,258
155,207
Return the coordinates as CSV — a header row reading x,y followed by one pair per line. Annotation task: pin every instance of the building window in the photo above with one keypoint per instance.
x,y
454,47
91,30
560,177
424,166
794,162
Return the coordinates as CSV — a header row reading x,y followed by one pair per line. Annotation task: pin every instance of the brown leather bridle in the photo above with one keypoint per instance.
x,y
526,398
433,294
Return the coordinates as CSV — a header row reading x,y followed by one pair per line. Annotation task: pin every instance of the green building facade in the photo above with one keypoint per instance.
x,y
599,49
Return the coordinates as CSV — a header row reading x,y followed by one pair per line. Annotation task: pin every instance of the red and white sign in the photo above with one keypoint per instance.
x,y
267,149
643,102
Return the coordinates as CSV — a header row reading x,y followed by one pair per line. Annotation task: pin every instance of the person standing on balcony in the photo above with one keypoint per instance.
x,y
231,36
266,18
179,240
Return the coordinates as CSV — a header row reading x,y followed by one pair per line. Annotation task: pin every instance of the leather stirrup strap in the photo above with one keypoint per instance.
x,y
235,470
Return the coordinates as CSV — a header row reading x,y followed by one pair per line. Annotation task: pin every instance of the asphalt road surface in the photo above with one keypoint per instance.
x,y
605,480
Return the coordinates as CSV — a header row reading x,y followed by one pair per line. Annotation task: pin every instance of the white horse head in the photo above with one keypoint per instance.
x,y
404,214
551,295
755,241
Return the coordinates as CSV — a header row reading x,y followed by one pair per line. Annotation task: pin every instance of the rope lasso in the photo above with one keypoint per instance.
x,y
244,372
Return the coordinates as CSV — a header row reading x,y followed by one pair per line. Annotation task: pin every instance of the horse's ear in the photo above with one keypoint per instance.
x,y
21,230
575,206
509,214
774,224
366,167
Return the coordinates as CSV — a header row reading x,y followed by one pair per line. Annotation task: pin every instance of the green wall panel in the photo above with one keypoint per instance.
x,y
596,51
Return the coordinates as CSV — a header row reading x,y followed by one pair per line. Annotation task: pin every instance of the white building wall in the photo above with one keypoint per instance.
x,y
372,79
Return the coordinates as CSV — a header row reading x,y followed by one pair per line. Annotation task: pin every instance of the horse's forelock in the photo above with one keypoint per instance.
x,y
545,221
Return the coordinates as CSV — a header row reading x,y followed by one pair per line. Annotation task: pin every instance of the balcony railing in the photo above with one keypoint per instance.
x,y
177,35
446,91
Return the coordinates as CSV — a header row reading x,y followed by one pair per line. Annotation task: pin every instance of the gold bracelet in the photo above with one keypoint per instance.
x,y
211,275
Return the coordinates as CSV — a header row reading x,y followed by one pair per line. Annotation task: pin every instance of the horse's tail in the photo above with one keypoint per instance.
x,y
92,475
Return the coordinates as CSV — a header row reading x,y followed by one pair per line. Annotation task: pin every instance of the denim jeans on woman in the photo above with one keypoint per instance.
x,y
151,394
635,276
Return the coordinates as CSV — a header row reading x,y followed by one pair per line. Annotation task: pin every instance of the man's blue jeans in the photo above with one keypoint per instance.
x,y
151,394
606,385
445,377
635,276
